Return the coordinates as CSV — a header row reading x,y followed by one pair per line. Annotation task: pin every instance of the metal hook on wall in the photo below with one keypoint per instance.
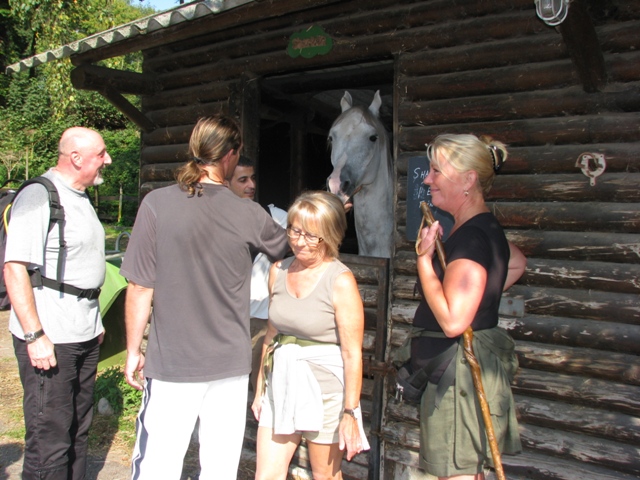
x,y
592,165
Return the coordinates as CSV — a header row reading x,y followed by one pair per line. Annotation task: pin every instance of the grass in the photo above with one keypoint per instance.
x,y
111,234
11,400
119,428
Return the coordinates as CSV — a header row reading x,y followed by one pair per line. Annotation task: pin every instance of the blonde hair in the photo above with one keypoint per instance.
x,y
321,213
466,152
210,141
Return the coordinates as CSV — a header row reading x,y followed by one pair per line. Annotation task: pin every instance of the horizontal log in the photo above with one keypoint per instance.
x,y
599,452
574,332
168,135
405,434
560,421
579,390
601,397
188,114
622,67
543,47
582,420
614,217
164,154
205,93
556,159
587,246
594,305
604,276
575,217
587,129
402,312
530,464
97,78
616,367
609,187
160,171
555,102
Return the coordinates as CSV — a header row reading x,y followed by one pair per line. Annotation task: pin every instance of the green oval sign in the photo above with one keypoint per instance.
x,y
309,43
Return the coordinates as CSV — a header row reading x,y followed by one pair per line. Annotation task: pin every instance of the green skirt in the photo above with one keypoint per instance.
x,y
453,440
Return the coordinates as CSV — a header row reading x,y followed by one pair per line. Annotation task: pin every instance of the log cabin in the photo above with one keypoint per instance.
x,y
564,98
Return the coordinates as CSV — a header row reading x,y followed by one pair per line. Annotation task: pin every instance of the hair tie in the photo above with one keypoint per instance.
x,y
199,160
497,157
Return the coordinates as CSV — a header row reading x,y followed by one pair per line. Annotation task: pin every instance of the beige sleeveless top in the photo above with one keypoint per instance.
x,y
311,317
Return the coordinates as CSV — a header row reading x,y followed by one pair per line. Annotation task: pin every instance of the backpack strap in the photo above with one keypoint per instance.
x,y
56,214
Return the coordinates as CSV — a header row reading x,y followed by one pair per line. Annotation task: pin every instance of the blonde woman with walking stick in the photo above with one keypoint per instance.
x,y
480,264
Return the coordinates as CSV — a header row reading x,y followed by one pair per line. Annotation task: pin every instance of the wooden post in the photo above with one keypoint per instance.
x,y
120,205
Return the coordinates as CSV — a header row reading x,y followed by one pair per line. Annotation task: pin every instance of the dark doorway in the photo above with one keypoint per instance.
x,y
296,112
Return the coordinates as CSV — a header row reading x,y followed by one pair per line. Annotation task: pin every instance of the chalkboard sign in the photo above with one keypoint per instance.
x,y
418,192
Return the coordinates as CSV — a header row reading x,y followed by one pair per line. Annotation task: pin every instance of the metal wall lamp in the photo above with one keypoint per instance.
x,y
552,12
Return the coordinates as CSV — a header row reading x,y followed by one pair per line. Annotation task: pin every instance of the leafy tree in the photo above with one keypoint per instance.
x,y
36,107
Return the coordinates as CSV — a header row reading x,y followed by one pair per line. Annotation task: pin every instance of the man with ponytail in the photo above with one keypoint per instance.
x,y
190,255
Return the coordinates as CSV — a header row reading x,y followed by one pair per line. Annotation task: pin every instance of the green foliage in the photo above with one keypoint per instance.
x,y
36,107
124,148
112,385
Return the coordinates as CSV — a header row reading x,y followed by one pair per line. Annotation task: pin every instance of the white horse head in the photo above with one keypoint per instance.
x,y
362,171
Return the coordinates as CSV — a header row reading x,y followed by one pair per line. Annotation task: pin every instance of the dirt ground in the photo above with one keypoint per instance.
x,y
109,463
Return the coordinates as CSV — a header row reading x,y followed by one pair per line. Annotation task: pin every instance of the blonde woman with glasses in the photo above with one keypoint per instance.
x,y
312,354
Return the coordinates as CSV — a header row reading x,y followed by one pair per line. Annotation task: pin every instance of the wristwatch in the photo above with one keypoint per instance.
x,y
356,413
31,337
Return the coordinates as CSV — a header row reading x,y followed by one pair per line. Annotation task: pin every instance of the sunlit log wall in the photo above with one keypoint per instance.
x,y
578,386
485,68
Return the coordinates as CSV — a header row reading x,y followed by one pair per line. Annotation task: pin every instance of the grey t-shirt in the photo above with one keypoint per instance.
x,y
65,318
195,252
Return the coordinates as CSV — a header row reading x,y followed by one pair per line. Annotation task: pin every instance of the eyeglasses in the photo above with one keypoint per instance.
x,y
311,240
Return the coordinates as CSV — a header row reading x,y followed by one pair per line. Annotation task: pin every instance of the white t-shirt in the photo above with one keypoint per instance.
x,y
260,273
65,318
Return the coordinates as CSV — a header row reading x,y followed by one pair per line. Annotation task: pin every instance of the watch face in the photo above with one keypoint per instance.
x,y
355,413
31,337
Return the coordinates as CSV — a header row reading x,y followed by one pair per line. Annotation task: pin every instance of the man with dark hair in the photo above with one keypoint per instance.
x,y
56,327
190,254
243,184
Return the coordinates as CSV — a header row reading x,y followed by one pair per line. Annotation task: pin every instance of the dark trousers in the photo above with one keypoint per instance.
x,y
58,409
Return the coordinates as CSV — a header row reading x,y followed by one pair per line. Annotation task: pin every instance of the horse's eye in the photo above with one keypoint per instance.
x,y
373,138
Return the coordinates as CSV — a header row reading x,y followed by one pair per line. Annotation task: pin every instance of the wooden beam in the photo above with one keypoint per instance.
x,y
94,77
130,111
581,39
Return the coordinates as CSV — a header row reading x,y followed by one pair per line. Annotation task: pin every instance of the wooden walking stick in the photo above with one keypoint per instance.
x,y
471,359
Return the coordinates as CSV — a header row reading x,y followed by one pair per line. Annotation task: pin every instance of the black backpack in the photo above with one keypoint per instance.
x,y
56,215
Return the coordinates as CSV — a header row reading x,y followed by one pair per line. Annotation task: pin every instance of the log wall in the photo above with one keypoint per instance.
x,y
578,381
477,67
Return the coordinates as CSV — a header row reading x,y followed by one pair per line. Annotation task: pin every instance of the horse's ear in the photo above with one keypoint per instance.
x,y
347,102
375,104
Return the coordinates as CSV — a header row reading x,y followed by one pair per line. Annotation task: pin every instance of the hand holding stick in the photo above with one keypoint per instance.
x,y
427,217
